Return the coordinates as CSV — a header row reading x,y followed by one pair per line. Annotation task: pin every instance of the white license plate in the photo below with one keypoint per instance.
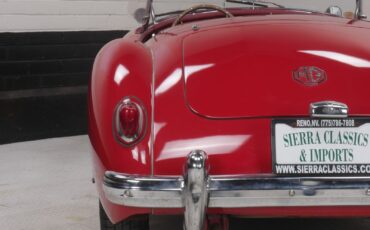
x,y
321,146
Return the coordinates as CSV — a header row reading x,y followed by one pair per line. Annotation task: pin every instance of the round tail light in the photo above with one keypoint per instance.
x,y
129,121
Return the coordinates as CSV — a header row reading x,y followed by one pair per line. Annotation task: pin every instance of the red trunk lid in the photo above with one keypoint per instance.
x,y
247,70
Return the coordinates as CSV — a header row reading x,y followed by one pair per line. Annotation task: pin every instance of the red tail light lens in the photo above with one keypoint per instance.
x,y
129,116
129,121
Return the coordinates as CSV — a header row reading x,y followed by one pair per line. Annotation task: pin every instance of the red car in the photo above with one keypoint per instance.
x,y
244,108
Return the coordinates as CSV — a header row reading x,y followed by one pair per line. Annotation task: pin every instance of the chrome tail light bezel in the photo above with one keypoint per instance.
x,y
117,129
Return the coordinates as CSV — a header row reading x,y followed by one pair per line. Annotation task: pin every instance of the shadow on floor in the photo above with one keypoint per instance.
x,y
301,224
175,223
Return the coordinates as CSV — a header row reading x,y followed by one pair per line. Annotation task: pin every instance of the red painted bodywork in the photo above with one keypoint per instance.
x,y
217,89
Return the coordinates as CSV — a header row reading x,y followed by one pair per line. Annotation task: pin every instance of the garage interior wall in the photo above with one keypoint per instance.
x,y
46,53
47,48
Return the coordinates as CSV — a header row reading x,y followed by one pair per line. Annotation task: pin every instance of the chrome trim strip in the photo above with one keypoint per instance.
x,y
288,198
239,191
145,192
152,103
196,191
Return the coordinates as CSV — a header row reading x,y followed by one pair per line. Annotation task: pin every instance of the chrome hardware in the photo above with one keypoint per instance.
x,y
291,192
154,36
335,10
195,27
140,15
149,14
117,129
195,192
239,191
309,191
127,194
359,10
328,109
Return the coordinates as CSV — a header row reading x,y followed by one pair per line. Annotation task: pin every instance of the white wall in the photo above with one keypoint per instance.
x,y
67,15
74,15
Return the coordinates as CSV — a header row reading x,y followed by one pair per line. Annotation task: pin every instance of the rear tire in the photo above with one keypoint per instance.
x,y
134,223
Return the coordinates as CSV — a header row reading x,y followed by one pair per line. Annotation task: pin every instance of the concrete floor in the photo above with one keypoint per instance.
x,y
47,185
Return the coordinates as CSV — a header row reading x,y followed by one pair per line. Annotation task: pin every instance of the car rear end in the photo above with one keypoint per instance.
x,y
270,119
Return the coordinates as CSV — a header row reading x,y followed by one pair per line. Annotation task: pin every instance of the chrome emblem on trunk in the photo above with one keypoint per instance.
x,y
309,75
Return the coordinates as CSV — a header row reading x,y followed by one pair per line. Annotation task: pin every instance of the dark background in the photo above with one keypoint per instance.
x,y
43,82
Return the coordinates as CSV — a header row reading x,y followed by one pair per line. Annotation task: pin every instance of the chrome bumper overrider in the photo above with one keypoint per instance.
x,y
196,191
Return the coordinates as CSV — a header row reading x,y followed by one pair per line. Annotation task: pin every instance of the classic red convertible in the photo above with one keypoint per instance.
x,y
243,108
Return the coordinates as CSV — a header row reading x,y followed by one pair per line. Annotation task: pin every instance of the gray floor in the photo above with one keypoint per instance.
x,y
47,185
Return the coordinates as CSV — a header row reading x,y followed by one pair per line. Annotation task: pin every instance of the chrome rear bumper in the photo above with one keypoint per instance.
x,y
195,191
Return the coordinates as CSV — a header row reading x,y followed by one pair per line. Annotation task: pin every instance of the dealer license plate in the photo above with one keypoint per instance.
x,y
326,147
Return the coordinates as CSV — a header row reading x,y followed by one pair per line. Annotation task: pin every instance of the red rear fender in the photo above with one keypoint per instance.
x,y
122,68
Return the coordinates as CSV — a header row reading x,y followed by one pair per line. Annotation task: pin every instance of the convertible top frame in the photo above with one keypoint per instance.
x,y
151,16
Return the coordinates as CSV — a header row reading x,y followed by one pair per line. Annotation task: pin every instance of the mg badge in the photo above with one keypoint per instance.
x,y
309,75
